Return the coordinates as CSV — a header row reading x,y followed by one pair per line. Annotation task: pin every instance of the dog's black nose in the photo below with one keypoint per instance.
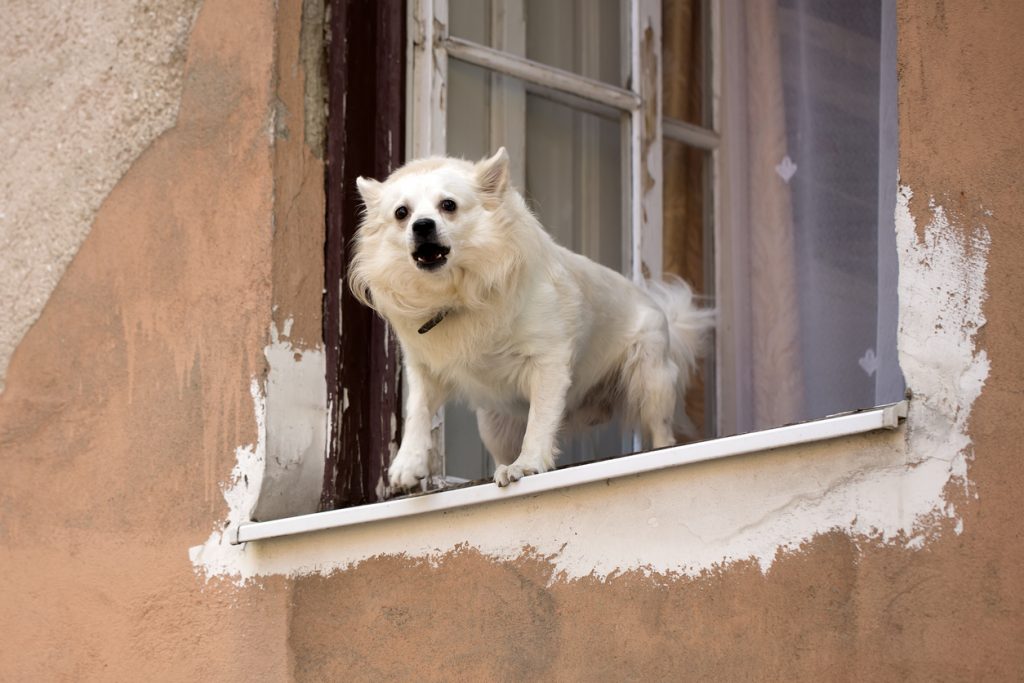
x,y
424,228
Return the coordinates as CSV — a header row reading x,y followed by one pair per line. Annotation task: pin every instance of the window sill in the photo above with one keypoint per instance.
x,y
846,424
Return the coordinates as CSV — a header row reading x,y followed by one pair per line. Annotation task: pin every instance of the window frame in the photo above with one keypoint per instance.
x,y
365,136
432,47
402,58
404,63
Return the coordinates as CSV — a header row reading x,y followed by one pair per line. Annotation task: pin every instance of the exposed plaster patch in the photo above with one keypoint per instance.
x,y
884,487
942,294
296,400
85,88
217,557
282,473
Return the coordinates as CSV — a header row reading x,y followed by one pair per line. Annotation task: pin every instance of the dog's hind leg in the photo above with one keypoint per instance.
x,y
502,435
658,404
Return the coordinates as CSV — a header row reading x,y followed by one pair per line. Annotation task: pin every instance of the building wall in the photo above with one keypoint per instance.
x,y
84,93
126,400
133,429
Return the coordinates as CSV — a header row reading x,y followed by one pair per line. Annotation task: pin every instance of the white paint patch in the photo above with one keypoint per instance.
x,y
282,473
886,486
942,294
217,557
296,399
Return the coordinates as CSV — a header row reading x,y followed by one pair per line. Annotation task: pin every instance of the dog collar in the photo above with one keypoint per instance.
x,y
432,323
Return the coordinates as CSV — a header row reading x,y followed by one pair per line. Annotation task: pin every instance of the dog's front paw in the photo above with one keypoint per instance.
x,y
506,474
408,470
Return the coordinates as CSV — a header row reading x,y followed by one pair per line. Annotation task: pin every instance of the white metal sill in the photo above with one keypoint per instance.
x,y
847,424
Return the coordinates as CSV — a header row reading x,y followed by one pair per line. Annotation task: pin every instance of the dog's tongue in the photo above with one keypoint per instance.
x,y
430,253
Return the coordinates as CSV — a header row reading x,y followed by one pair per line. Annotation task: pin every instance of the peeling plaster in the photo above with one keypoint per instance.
x,y
85,88
241,492
887,487
942,292
296,433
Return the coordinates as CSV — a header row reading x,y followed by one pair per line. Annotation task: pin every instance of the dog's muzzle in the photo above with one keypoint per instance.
x,y
428,253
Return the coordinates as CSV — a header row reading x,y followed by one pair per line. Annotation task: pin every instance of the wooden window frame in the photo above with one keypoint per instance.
x,y
365,136
371,135
639,105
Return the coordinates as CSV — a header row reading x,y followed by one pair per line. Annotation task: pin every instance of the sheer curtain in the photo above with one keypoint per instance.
x,y
806,243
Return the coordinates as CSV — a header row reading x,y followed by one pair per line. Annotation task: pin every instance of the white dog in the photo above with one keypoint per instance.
x,y
489,308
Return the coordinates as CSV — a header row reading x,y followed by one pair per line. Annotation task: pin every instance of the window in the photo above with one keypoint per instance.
x,y
553,83
747,147
771,142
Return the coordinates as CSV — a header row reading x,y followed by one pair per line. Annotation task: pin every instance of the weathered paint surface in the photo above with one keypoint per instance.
x,y
127,401
298,119
128,397
84,89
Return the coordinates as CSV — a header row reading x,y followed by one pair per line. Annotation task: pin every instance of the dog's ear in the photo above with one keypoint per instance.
x,y
492,177
369,190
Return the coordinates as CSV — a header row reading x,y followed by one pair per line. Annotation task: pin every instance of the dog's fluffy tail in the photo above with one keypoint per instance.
x,y
689,328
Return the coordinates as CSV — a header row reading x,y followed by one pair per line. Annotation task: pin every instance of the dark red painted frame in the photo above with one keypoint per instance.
x,y
365,136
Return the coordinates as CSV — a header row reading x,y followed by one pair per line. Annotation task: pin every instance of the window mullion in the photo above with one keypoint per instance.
x,y
645,139
427,98
713,210
689,134
508,95
429,77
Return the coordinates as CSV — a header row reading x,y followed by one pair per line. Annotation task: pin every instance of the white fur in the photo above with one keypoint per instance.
x,y
535,336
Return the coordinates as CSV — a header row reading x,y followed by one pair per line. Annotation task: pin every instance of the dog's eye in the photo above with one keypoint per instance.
x,y
401,212
448,205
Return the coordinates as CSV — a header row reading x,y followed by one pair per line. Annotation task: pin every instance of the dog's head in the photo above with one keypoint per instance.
x,y
427,224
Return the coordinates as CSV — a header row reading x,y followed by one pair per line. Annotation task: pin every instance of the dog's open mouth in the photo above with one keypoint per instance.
x,y
430,255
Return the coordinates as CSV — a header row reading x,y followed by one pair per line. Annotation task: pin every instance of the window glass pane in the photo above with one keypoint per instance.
x,y
582,37
586,38
469,111
830,54
685,242
682,58
811,171
470,19
572,177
